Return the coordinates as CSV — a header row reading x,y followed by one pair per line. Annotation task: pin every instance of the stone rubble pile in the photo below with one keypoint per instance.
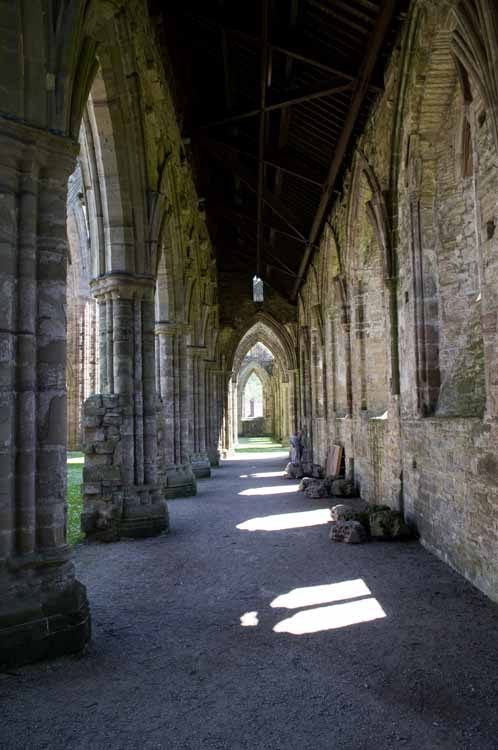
x,y
305,469
377,522
349,532
315,486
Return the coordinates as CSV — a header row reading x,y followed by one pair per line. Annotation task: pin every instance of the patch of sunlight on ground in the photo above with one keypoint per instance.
x,y
75,461
278,490
257,445
284,521
255,456
312,595
331,618
268,474
249,620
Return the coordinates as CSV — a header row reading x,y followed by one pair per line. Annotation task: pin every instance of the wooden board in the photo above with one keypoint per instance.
x,y
334,460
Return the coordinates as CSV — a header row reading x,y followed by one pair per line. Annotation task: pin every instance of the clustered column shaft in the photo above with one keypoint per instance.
x,y
127,357
174,465
45,611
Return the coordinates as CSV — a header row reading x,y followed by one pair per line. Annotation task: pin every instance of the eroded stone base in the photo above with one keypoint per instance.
x,y
179,481
214,458
133,519
201,466
45,616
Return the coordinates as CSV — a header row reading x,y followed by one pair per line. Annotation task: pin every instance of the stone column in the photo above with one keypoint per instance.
x,y
174,468
226,412
235,410
133,504
293,402
199,458
43,608
219,410
91,350
212,415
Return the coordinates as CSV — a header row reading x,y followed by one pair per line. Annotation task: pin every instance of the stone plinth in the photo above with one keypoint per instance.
x,y
44,611
201,465
178,480
113,507
214,457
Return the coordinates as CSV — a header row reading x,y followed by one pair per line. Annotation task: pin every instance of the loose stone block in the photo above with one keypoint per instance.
x,y
349,532
387,524
317,488
342,513
342,488
305,482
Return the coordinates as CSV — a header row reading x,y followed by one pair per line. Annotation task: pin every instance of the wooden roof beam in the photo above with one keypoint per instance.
x,y
300,98
373,48
231,159
285,47
288,163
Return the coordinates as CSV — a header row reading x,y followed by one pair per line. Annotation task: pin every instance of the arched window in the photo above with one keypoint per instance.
x,y
253,397
258,294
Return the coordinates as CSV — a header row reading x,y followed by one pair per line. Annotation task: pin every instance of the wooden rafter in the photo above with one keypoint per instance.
x,y
230,158
299,98
373,48
291,88
281,160
287,48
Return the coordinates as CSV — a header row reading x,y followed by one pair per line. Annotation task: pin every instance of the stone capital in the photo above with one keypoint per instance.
x,y
123,286
24,147
168,328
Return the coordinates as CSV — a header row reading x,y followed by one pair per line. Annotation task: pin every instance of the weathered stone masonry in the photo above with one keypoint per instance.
x,y
44,610
390,350
406,284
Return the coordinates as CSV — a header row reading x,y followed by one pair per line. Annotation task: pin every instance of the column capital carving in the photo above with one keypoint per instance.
x,y
168,328
24,144
172,328
124,286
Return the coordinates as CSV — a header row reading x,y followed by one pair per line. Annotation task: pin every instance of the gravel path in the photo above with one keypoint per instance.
x,y
172,666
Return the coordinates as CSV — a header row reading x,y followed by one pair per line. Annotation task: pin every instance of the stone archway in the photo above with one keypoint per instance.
x,y
264,329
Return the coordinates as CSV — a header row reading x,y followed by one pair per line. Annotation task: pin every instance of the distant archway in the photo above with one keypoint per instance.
x,y
268,349
252,397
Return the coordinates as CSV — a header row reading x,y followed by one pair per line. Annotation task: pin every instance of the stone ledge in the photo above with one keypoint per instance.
x,y
52,628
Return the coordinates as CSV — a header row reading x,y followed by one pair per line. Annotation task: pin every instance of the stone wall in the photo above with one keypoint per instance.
x,y
406,288
253,427
450,473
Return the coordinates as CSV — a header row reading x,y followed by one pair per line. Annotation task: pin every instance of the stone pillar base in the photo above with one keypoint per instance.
x,y
179,481
201,465
214,457
45,616
129,512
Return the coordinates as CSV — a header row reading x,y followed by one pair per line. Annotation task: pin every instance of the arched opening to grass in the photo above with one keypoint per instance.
x,y
75,460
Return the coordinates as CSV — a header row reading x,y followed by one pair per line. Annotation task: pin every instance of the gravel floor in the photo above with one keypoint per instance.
x,y
172,665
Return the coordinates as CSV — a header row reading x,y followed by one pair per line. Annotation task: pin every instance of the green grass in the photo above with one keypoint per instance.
x,y
259,445
74,500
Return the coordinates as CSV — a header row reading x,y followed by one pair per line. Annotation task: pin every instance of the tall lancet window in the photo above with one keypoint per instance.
x,y
257,289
